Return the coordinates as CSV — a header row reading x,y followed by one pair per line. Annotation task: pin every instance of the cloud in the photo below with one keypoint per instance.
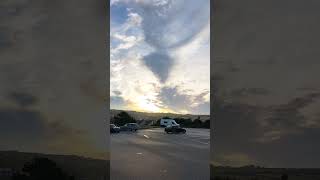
x,y
126,37
283,120
183,102
23,99
163,47
249,92
51,82
28,130
125,42
117,102
160,64
264,133
278,126
164,33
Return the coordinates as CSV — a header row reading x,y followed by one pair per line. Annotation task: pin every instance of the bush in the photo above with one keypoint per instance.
x,y
122,118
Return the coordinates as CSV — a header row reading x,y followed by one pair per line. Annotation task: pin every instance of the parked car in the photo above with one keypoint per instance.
x,y
174,129
114,128
130,127
168,122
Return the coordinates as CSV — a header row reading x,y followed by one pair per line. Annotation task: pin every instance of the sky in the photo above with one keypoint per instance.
x,y
53,67
159,56
266,90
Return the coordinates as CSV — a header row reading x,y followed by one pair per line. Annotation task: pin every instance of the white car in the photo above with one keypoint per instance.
x,y
168,122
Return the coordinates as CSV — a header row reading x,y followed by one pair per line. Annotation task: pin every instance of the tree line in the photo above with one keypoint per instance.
x,y
123,117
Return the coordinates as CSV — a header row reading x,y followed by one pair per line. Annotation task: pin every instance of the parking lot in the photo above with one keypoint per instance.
x,y
153,154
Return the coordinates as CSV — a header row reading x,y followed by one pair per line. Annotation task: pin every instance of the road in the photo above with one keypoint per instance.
x,y
151,154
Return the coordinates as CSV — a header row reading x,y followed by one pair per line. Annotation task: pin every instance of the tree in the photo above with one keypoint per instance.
x,y
197,123
166,117
184,122
123,118
284,177
157,122
40,169
206,124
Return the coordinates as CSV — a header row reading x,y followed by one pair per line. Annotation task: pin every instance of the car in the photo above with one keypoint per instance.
x,y
114,128
166,122
130,127
174,129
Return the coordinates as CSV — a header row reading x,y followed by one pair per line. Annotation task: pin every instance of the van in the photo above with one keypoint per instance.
x,y
168,122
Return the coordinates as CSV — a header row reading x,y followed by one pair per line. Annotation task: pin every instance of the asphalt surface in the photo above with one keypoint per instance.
x,y
152,154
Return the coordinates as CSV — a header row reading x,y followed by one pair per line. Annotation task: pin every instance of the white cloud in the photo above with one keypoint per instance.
x,y
127,42
192,68
152,28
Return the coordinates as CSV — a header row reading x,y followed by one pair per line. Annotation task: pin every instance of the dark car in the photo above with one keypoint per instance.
x,y
130,127
174,129
114,128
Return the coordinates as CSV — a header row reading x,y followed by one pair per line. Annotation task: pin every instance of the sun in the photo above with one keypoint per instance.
x,y
146,104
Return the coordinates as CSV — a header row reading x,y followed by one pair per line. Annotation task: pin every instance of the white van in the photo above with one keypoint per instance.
x,y
168,122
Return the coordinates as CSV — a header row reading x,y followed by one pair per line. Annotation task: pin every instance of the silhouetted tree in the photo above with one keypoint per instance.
x,y
123,118
197,123
284,177
166,117
41,169
157,122
206,124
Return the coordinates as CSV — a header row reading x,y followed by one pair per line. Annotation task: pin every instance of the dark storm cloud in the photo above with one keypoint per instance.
x,y
160,64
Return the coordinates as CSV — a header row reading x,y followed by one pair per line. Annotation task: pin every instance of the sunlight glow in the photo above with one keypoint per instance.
x,y
146,104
